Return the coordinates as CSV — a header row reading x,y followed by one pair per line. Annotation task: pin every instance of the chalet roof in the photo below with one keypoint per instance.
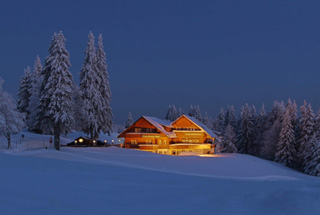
x,y
203,126
159,123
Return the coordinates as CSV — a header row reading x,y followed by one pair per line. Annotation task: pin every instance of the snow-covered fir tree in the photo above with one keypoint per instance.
x,y
286,146
24,92
55,108
206,120
253,110
306,131
245,135
276,113
105,110
312,163
232,117
129,121
317,123
197,113
191,111
221,120
34,92
229,140
11,121
172,113
180,112
262,111
90,91
293,111
256,144
260,122
270,138
226,117
272,130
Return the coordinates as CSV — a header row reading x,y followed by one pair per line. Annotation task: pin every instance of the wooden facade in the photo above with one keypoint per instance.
x,y
184,135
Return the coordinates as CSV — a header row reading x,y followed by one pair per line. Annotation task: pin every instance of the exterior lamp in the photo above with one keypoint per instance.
x,y
105,141
112,142
76,141
80,140
94,141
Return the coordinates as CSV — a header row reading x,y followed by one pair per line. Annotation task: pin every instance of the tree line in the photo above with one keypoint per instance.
x,y
49,101
284,134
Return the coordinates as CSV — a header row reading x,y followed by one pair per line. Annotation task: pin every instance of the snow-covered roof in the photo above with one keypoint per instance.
x,y
159,123
203,126
83,137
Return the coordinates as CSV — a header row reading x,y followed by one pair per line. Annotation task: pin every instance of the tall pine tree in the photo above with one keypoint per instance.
x,y
221,120
245,135
197,113
129,121
317,123
105,110
312,163
306,131
34,91
172,113
55,107
232,117
229,140
286,146
191,111
90,90
272,130
24,93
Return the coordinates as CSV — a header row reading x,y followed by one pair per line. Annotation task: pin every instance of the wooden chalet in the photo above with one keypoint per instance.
x,y
186,134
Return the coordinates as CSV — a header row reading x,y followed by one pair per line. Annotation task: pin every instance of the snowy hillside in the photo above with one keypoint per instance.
x,y
122,181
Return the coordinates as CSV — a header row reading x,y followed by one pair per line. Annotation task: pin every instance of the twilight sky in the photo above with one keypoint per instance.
x,y
212,53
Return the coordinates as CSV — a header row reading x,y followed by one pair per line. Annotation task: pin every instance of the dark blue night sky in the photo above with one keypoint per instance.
x,y
211,53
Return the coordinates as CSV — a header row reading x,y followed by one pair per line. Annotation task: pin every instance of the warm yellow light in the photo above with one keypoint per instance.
x,y
75,141
105,141
94,141
80,140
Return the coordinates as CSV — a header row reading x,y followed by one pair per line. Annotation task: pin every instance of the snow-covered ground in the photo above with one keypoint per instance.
x,y
121,181
36,141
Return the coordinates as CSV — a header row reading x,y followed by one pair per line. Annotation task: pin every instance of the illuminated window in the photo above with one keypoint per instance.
x,y
165,142
137,130
134,142
160,142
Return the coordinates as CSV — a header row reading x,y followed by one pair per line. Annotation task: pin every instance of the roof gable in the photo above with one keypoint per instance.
x,y
158,123
199,125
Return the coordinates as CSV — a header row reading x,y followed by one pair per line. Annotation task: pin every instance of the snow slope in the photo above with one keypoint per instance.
x,y
121,181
